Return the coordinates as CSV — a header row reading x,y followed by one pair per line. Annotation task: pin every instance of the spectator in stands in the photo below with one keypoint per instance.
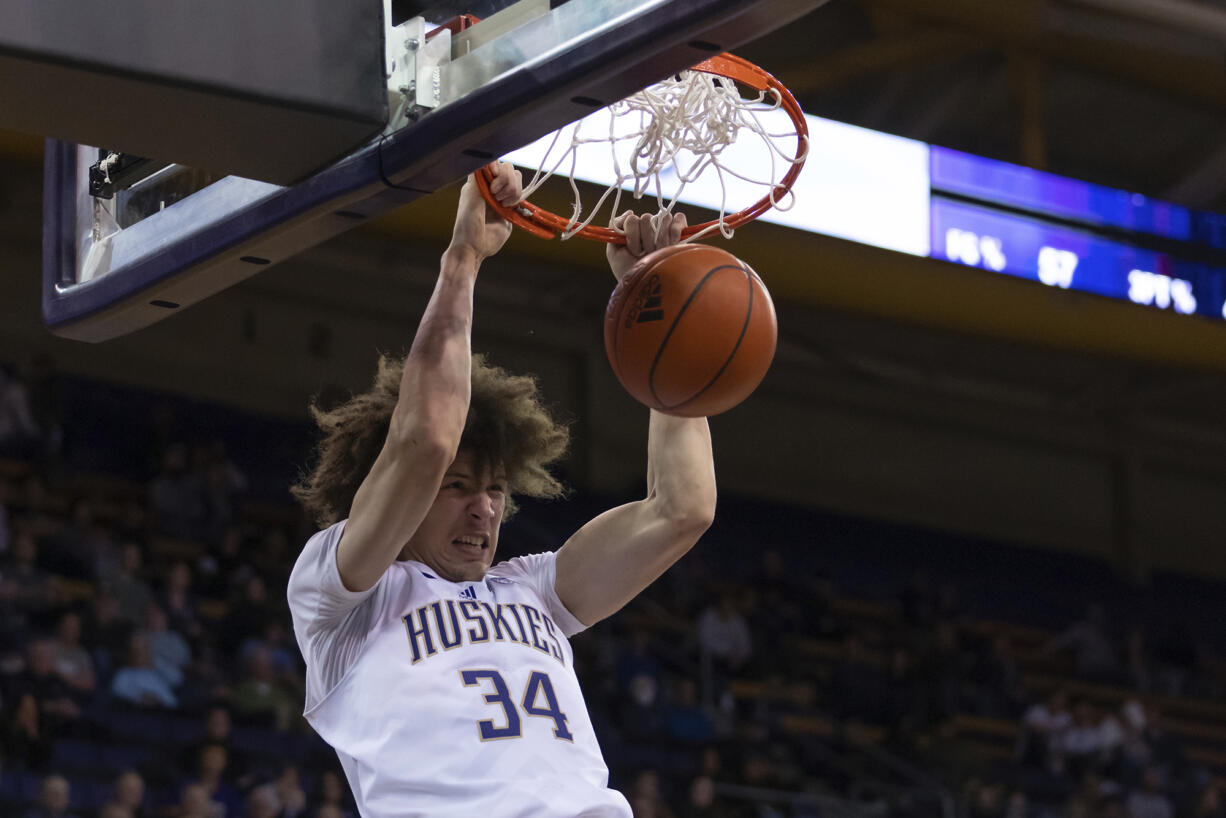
x,y
107,634
985,799
275,638
26,591
1018,806
993,680
129,794
53,799
710,762
212,775
776,614
261,803
640,715
218,730
1043,728
646,798
131,522
1092,740
1149,801
636,660
176,497
72,661
208,679
260,698
69,550
194,802
859,688
332,795
59,710
1094,656
701,801
1209,803
111,810
179,601
26,743
284,794
222,569
684,719
1135,754
723,634
249,614
138,682
1166,747
19,433
129,587
170,652
221,481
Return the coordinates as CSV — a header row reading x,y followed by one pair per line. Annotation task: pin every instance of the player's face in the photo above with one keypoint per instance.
x,y
459,535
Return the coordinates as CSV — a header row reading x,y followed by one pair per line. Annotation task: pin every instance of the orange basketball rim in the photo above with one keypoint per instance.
x,y
547,225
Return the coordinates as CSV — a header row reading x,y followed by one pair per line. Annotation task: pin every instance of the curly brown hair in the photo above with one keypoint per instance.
x,y
506,426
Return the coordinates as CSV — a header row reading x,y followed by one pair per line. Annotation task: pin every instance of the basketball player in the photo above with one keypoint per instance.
x,y
444,681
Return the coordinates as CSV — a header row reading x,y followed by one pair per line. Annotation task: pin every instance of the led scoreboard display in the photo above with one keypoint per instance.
x,y
1074,235
910,197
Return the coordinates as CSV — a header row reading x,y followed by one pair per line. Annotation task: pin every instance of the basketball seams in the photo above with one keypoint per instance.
x,y
651,376
651,373
749,276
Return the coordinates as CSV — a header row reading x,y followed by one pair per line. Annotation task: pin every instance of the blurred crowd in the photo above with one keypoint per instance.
x,y
148,668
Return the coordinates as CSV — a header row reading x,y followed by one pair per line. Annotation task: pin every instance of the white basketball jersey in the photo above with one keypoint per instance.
x,y
449,699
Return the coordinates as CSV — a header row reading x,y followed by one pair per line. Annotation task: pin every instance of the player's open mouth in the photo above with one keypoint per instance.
x,y
471,544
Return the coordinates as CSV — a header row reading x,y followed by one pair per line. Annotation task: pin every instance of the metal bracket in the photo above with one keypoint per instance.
x,y
414,78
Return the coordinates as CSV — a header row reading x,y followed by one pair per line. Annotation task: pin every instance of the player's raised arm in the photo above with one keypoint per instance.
x,y
428,420
607,562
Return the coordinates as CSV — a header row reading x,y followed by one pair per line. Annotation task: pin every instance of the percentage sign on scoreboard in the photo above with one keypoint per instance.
x,y
1163,292
975,250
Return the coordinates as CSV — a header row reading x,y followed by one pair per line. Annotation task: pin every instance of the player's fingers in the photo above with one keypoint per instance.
x,y
515,188
634,235
661,230
674,229
499,180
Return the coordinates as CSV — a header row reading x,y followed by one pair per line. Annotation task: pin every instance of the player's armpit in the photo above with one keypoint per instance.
x,y
615,556
618,554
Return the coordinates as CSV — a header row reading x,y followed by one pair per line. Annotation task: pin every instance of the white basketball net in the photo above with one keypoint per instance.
x,y
692,124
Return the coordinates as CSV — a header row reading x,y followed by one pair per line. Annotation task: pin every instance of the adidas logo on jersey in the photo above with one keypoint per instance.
x,y
469,593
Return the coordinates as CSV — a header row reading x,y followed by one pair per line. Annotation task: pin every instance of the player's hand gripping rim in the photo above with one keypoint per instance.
x,y
644,234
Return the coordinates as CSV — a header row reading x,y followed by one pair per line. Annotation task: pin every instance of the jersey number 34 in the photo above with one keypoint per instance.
x,y
538,687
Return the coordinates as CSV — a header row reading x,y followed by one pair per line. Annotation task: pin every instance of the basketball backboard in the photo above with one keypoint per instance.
x,y
153,238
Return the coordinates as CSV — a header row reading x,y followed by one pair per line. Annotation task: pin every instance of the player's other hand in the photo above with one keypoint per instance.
x,y
478,227
644,234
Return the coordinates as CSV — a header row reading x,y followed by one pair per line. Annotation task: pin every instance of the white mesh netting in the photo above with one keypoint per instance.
x,y
691,138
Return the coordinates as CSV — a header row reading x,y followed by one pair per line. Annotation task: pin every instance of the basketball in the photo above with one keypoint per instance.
x,y
690,330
